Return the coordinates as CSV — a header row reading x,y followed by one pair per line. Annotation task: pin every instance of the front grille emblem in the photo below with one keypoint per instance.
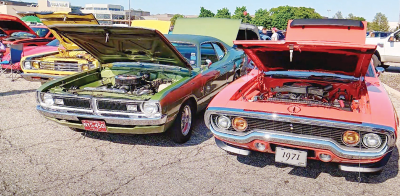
x,y
294,109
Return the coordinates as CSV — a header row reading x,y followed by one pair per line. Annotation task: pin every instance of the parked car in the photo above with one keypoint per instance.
x,y
378,34
51,47
146,85
28,36
67,60
388,50
313,97
12,24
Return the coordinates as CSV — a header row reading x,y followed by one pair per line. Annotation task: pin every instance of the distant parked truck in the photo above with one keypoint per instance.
x,y
388,50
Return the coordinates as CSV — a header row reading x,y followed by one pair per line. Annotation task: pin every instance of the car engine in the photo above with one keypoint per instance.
x,y
307,93
142,83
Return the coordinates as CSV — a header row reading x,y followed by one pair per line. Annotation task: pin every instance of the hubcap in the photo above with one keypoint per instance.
x,y
186,120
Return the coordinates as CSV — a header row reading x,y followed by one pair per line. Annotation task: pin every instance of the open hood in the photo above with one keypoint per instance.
x,y
322,45
53,18
10,24
122,44
220,28
331,57
162,26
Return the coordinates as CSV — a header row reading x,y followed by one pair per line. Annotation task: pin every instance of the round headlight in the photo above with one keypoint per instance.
x,y
150,108
223,122
48,99
372,140
27,65
239,124
351,138
85,67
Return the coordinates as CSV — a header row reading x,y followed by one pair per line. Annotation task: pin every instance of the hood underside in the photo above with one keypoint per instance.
x,y
338,58
111,44
10,24
54,18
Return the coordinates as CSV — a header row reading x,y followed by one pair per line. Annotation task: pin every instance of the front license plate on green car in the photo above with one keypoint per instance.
x,y
291,157
94,125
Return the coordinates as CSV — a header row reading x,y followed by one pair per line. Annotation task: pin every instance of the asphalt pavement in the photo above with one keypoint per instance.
x,y
40,157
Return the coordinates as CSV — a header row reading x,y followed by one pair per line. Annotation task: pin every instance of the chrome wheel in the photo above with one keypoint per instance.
x,y
186,120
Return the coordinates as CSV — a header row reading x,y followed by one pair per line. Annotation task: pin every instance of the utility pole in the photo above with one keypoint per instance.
x,y
129,21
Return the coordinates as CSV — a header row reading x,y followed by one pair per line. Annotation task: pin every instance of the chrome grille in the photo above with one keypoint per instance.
x,y
109,105
77,102
61,66
303,129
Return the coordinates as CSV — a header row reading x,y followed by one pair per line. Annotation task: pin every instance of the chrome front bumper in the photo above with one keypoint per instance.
x,y
42,77
292,139
108,119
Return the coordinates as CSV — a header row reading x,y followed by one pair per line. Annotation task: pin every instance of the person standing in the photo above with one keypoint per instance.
x,y
264,35
275,35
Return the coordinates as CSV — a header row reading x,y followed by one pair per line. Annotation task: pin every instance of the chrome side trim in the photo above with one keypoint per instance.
x,y
108,119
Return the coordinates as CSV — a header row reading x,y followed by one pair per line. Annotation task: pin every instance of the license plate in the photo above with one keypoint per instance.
x,y
94,125
291,157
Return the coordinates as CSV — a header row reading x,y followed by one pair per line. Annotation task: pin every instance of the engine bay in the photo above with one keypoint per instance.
x,y
344,96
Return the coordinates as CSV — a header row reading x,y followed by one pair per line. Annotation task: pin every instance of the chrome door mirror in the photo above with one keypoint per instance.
x,y
379,70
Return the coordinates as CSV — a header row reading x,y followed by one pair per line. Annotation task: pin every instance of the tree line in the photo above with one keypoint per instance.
x,y
279,16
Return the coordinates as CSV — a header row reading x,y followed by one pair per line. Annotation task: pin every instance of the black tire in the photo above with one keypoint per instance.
x,y
376,61
180,133
236,76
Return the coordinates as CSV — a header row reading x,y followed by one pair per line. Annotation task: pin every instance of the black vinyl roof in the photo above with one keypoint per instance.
x,y
326,22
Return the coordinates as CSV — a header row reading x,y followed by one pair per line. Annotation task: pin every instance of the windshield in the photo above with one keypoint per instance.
x,y
54,43
2,33
188,50
42,32
23,34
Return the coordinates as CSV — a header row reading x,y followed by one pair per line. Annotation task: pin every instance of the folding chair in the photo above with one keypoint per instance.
x,y
15,57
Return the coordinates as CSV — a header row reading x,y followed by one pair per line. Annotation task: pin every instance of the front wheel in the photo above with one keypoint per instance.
x,y
181,130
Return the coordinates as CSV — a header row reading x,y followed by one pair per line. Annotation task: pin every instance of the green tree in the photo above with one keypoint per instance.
x,y
282,14
380,23
262,18
338,15
239,14
176,16
205,13
352,17
223,13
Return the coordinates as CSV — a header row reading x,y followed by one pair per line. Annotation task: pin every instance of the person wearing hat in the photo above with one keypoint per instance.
x,y
275,35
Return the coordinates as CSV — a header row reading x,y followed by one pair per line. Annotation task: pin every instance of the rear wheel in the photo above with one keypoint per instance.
x,y
376,61
181,130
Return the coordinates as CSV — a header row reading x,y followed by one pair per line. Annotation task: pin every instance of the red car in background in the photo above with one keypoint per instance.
x,y
30,50
15,31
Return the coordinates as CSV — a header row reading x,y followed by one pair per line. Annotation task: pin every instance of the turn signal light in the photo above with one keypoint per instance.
x,y
351,138
239,124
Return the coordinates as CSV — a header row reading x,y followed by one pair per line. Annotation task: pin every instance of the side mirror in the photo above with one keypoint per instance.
x,y
379,70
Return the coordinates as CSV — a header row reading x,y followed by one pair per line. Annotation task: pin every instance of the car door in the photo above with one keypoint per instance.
x,y
392,48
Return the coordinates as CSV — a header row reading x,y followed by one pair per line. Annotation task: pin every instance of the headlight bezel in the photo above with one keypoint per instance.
x,y
223,117
27,67
156,108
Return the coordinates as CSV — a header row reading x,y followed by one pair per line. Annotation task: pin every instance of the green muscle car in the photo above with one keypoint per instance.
x,y
145,85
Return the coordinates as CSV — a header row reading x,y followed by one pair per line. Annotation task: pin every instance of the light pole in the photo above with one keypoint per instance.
x,y
329,11
129,21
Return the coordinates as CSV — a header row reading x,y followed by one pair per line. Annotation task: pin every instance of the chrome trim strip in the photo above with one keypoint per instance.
x,y
356,168
30,76
231,149
109,120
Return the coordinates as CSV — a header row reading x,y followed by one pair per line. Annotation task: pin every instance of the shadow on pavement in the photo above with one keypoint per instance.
x,y
200,134
16,92
315,168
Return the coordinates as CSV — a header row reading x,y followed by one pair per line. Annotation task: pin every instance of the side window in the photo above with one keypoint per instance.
x,y
208,55
51,35
220,51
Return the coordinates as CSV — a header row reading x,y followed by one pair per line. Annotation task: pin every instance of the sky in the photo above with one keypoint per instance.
x,y
363,8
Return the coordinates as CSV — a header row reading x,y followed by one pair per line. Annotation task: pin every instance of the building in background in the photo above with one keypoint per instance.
x,y
108,14
13,7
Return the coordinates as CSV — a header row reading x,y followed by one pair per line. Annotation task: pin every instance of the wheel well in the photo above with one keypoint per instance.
x,y
193,102
377,55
